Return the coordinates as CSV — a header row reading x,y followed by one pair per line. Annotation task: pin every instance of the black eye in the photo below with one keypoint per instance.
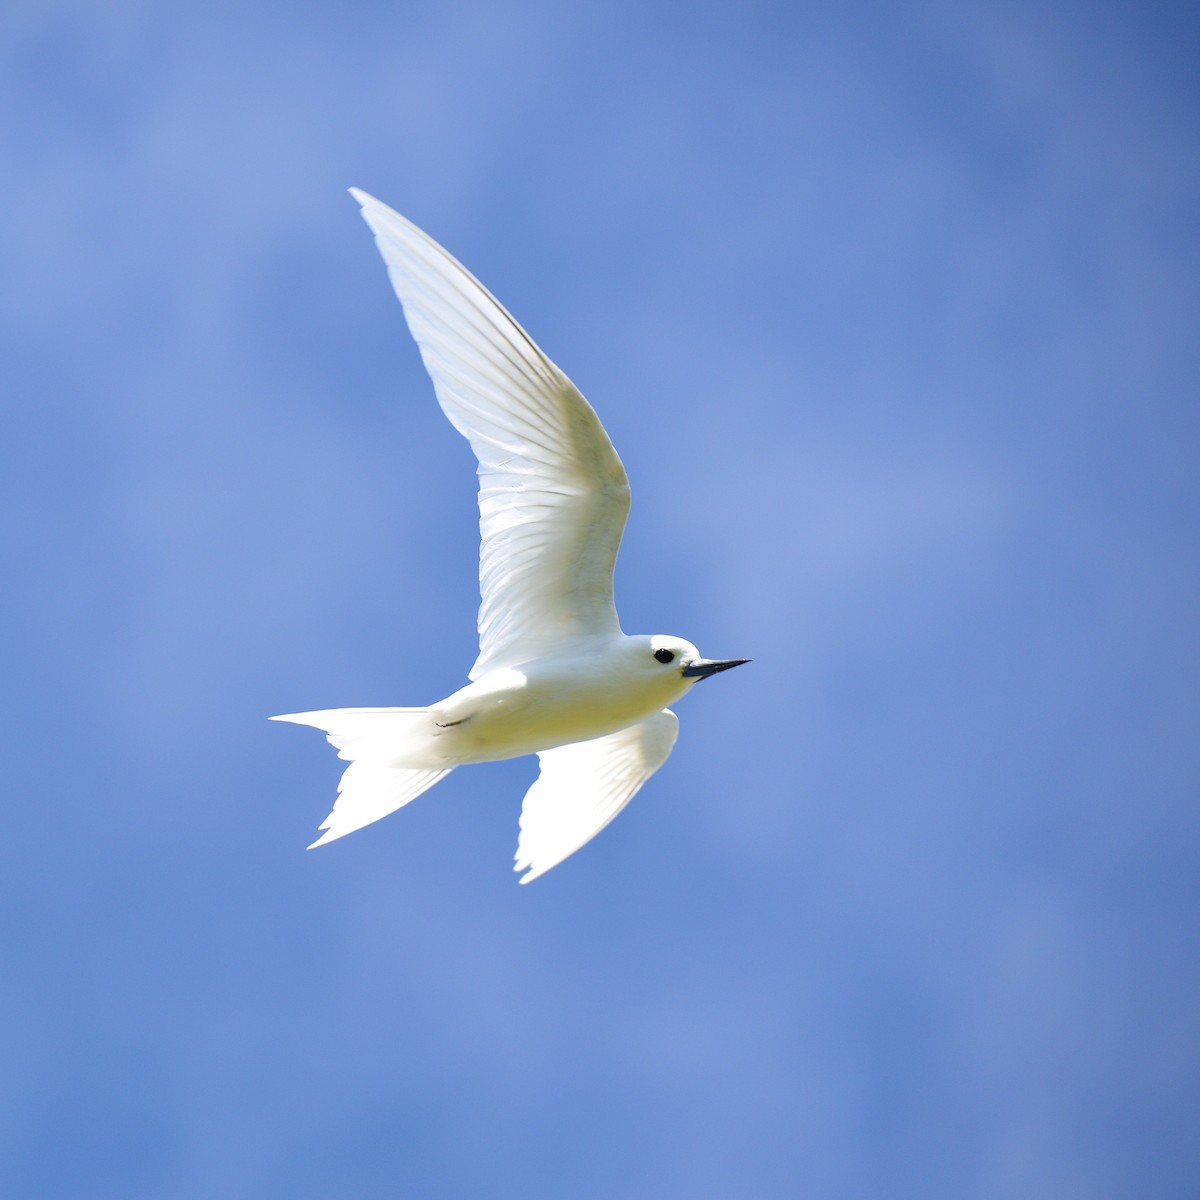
x,y
665,656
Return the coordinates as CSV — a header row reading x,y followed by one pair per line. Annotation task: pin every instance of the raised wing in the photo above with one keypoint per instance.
x,y
553,495
583,786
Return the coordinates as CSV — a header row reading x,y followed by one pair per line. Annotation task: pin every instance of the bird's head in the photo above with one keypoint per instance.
x,y
674,656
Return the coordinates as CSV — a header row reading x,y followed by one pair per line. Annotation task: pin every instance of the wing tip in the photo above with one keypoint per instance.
x,y
526,864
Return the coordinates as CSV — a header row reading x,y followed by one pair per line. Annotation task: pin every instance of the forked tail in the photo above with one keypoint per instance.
x,y
374,741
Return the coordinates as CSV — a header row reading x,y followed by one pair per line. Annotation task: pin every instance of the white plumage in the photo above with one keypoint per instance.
x,y
555,675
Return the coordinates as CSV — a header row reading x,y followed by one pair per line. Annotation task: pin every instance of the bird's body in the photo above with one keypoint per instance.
x,y
550,702
555,675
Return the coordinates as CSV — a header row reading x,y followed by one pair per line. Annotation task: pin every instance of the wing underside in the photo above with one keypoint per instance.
x,y
582,787
553,495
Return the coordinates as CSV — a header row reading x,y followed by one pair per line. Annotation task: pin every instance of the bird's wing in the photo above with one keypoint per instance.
x,y
553,495
583,786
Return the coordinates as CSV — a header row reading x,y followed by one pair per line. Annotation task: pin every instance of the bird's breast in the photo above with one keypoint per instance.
x,y
510,713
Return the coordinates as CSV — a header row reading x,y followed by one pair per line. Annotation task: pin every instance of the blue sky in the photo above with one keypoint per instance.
x,y
891,313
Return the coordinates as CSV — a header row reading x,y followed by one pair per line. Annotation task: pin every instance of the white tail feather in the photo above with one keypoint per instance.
x,y
373,740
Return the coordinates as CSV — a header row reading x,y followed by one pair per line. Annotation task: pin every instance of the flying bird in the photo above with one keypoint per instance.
x,y
555,675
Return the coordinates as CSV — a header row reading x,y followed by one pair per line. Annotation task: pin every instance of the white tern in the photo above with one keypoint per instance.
x,y
555,675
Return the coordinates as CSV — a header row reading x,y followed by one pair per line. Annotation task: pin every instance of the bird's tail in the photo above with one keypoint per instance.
x,y
376,742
